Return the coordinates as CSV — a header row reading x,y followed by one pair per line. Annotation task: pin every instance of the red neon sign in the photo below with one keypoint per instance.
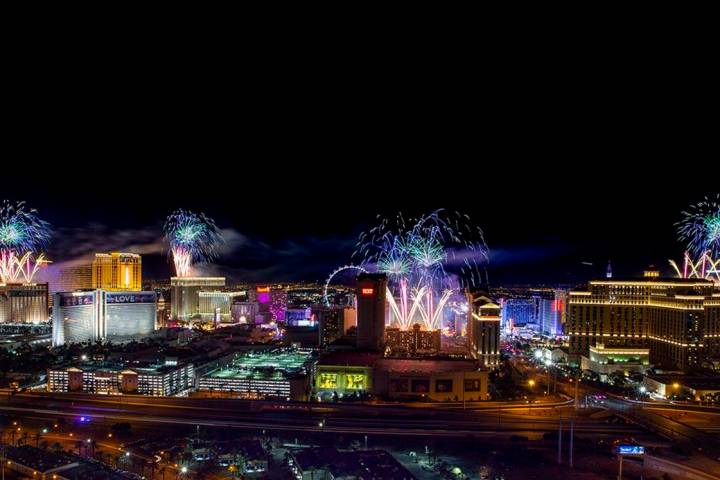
x,y
368,291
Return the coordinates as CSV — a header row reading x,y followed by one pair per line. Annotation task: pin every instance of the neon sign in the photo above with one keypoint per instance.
x,y
368,291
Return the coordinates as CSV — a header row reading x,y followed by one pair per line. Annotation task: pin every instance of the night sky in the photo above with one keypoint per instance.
x,y
299,226
557,169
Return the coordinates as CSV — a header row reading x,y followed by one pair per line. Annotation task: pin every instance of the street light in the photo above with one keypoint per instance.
x,y
531,382
643,389
538,354
183,470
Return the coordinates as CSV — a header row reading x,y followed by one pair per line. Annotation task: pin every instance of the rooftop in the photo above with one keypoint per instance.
x,y
349,358
273,364
36,458
425,366
362,464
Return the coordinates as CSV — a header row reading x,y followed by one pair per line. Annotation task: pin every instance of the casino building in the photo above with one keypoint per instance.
x,y
117,272
100,315
24,303
185,296
677,319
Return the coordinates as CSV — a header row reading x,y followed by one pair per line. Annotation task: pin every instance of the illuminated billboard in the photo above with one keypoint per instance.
x,y
328,380
356,381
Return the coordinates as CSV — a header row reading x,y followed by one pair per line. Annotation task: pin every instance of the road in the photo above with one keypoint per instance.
x,y
351,419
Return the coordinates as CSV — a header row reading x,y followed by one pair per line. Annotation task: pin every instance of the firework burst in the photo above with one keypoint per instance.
x,y
700,227
426,259
193,238
23,235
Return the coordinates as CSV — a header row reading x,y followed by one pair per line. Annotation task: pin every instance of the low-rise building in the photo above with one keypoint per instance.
x,y
442,380
281,374
606,360
342,373
116,378
699,387
331,463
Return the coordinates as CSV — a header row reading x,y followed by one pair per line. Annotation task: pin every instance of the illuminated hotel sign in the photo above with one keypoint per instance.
x,y
368,291
76,298
262,289
131,298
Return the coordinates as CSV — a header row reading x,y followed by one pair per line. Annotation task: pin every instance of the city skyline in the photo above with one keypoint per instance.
x,y
534,235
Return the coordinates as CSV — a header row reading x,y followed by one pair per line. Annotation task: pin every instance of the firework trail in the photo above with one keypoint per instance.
x,y
23,235
193,238
700,227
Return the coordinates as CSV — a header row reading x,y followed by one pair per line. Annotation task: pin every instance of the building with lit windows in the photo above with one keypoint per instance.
x,y
625,360
334,322
677,319
216,306
551,312
98,315
185,295
24,303
483,329
275,374
117,272
111,378
414,341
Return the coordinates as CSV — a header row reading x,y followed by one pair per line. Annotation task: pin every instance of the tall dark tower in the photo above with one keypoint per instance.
x,y
371,305
483,328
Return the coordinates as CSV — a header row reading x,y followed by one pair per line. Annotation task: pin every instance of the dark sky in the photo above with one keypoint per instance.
x,y
558,165
539,229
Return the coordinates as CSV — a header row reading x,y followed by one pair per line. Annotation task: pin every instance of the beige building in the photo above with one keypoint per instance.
x,y
677,319
414,341
117,272
483,330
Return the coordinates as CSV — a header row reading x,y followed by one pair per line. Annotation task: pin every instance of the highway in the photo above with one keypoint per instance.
x,y
337,418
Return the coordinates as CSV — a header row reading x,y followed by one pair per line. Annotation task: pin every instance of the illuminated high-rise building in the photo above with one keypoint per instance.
x,y
24,303
97,315
371,310
483,329
68,278
185,295
678,319
117,272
